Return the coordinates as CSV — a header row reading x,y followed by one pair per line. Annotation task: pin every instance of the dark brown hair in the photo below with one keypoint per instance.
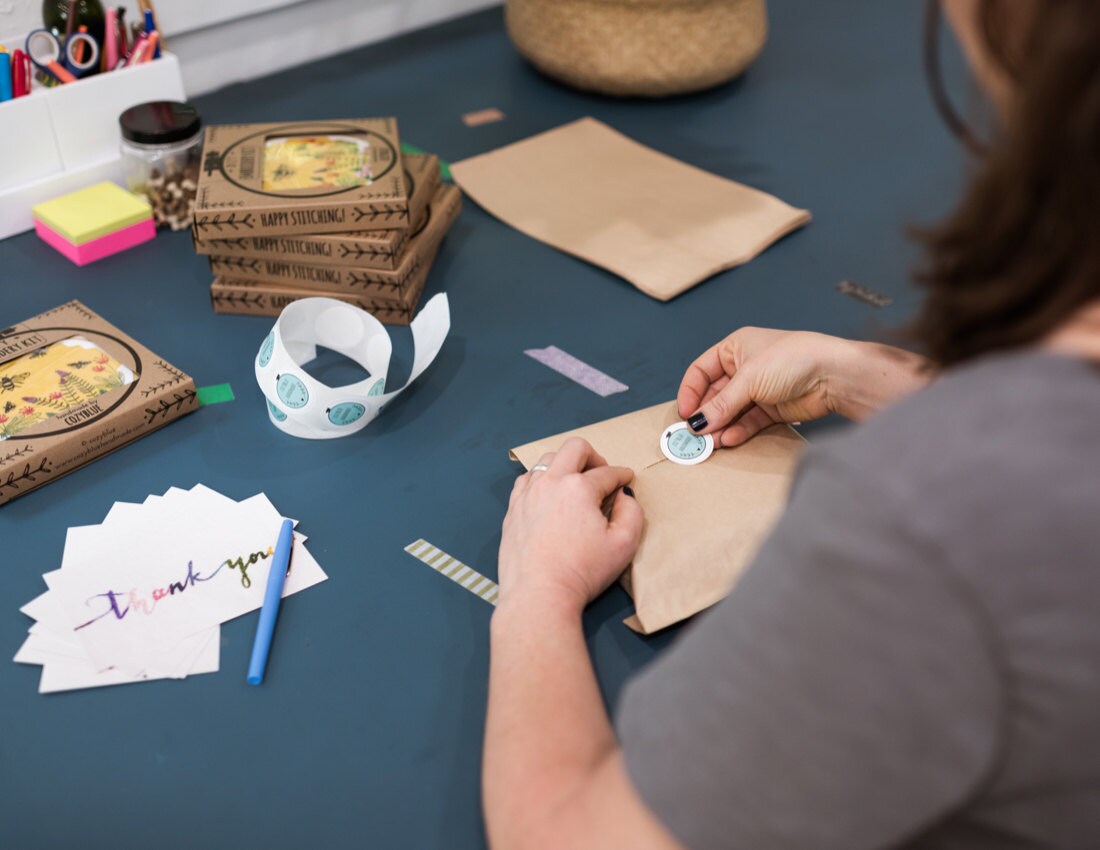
x,y
1021,253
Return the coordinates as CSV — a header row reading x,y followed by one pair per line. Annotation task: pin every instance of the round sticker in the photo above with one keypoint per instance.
x,y
292,391
378,388
278,414
682,445
345,413
267,349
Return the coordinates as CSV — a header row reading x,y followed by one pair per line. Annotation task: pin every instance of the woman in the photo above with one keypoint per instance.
x,y
913,660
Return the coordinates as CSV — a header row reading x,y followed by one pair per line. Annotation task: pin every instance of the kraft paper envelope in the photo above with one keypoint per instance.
x,y
594,193
703,523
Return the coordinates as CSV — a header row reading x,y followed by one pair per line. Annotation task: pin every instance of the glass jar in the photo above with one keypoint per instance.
x,y
161,144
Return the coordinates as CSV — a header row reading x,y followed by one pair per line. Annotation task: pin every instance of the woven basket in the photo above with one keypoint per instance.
x,y
639,47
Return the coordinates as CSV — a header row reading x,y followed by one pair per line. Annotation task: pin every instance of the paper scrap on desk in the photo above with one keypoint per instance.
x,y
703,523
864,293
215,394
455,570
592,192
142,595
482,116
577,370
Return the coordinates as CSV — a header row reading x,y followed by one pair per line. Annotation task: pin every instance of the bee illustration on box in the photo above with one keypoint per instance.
x,y
51,382
10,383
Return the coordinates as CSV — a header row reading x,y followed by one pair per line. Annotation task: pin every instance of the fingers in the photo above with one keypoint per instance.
x,y
523,481
724,408
754,420
519,486
543,463
608,479
595,460
713,390
575,455
706,369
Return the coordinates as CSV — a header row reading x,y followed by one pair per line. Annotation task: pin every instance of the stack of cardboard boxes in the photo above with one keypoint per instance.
x,y
288,211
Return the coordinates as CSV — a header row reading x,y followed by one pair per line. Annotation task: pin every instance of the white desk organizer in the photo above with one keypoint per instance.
x,y
57,140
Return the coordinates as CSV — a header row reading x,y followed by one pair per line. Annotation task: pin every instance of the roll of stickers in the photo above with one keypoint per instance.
x,y
302,406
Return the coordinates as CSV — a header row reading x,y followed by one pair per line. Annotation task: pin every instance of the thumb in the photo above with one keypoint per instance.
x,y
724,408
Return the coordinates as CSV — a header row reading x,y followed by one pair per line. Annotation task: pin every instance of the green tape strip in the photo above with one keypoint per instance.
x,y
444,166
215,394
455,570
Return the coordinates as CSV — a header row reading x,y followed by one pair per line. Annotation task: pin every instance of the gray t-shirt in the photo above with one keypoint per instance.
x,y
913,660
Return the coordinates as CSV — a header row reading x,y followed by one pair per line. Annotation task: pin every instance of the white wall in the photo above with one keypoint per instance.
x,y
226,41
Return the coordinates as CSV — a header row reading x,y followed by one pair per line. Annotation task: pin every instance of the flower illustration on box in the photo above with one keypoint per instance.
x,y
50,382
311,162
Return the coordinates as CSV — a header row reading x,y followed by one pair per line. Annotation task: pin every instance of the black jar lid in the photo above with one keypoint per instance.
x,y
160,122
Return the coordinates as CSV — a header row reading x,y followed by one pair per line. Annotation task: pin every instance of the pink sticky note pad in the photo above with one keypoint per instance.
x,y
99,248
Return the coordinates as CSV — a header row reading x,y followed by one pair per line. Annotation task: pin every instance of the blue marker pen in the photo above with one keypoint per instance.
x,y
273,594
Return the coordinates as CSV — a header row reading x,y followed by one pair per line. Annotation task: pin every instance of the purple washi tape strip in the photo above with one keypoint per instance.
x,y
577,370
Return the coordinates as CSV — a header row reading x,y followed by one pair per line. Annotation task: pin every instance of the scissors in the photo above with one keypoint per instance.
x,y
67,61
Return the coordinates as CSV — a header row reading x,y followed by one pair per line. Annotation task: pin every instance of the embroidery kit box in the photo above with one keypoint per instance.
x,y
361,283
304,177
260,298
372,249
73,388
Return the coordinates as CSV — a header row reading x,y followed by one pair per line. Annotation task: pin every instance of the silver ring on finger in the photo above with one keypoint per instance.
x,y
539,467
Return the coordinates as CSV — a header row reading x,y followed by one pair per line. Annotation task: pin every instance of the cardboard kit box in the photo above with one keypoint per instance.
x,y
303,177
371,249
73,388
260,298
441,213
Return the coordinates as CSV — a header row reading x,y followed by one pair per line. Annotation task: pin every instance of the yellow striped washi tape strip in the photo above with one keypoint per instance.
x,y
455,570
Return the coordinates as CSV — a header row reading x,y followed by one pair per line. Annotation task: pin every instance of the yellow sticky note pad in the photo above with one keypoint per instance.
x,y
92,213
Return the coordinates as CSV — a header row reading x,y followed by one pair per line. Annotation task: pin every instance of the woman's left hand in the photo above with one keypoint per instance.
x,y
558,547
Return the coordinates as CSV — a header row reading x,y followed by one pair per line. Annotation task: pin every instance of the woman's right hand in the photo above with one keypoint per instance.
x,y
757,377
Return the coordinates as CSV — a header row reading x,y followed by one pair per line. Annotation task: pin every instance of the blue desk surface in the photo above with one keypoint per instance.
x,y
368,729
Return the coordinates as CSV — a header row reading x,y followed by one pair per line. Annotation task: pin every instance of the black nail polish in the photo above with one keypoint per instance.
x,y
628,491
697,422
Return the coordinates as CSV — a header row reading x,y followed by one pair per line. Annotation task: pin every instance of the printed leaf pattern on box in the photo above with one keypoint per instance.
x,y
164,407
16,454
238,299
233,222
28,475
360,252
73,307
375,215
175,376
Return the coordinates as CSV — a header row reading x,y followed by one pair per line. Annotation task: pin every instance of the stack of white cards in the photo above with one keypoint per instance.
x,y
142,595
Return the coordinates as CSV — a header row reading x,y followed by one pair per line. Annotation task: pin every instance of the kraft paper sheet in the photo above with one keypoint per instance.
x,y
592,192
703,524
